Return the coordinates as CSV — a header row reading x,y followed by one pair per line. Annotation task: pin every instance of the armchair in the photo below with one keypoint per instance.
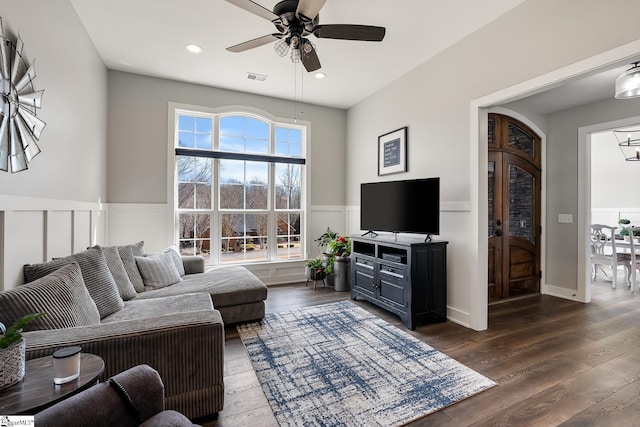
x,y
134,397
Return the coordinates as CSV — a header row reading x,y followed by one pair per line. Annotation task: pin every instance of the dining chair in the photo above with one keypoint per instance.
x,y
634,257
602,238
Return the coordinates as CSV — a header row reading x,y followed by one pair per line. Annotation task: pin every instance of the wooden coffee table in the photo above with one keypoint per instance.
x,y
37,391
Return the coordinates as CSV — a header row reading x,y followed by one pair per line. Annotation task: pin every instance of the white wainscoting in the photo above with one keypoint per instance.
x,y
34,230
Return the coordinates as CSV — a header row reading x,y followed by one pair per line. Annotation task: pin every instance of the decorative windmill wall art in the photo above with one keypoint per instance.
x,y
20,128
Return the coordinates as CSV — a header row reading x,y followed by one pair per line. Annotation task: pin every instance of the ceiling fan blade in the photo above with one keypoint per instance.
x,y
350,32
309,9
310,60
255,8
250,44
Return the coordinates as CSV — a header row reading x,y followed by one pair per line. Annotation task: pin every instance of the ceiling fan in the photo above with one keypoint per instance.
x,y
296,19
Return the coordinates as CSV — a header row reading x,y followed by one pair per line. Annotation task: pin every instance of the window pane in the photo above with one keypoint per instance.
x,y
195,132
243,184
244,134
186,139
203,196
186,123
256,128
186,167
521,203
232,126
257,146
288,229
186,199
231,143
195,234
257,172
257,196
288,142
203,125
231,196
288,186
520,140
203,141
244,237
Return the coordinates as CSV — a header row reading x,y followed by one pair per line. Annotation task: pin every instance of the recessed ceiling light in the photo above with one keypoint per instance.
x,y
320,75
193,48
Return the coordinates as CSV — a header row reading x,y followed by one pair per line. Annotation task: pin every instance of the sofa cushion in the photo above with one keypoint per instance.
x,y
230,285
61,294
157,271
116,267
139,309
130,266
97,278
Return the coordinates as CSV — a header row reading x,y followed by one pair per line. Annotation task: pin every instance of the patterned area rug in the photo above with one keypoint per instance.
x,y
338,365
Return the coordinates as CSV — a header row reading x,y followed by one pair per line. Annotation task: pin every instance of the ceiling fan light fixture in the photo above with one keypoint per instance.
x,y
628,83
281,47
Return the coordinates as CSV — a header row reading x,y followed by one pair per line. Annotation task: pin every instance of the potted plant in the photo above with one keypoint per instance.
x,y
323,242
326,238
12,351
623,224
339,262
314,269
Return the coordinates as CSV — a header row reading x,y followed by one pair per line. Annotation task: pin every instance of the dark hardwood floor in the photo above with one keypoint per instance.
x,y
556,362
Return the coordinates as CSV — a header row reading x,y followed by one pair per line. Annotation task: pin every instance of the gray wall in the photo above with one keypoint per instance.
x,y
562,176
434,99
72,164
138,141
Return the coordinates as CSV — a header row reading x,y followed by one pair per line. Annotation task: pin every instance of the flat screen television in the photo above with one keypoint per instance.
x,y
408,206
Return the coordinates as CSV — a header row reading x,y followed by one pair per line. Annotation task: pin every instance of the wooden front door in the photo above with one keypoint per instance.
x,y
514,209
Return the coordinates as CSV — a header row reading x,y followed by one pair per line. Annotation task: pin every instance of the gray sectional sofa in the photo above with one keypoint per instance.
x,y
95,300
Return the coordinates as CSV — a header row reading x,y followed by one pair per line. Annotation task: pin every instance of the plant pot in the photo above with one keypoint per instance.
x,y
12,364
341,269
314,273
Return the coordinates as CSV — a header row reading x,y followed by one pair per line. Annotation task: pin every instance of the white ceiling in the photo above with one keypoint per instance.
x,y
149,36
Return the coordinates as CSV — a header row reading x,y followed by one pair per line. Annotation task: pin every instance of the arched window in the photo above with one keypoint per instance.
x,y
238,189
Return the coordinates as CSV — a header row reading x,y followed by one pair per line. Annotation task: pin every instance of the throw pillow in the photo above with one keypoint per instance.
x,y
177,259
97,278
158,271
120,275
130,266
138,248
62,295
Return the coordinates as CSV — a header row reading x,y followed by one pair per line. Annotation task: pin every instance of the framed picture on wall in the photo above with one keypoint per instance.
x,y
392,152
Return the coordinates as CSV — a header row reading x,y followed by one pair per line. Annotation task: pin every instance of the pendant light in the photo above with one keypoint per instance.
x,y
628,83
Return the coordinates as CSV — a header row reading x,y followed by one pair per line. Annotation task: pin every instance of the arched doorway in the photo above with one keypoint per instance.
x,y
514,208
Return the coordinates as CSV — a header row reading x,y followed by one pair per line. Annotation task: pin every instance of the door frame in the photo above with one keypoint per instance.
x,y
478,311
584,199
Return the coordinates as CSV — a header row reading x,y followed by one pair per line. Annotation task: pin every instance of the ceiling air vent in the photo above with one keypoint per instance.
x,y
257,77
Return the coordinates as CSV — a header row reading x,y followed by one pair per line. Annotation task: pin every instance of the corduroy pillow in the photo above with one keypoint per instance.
x,y
158,271
130,266
97,278
120,275
62,295
175,256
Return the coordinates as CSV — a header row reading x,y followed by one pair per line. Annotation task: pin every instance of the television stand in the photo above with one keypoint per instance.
x,y
407,277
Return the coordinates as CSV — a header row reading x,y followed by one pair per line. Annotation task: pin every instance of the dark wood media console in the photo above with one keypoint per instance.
x,y
406,276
